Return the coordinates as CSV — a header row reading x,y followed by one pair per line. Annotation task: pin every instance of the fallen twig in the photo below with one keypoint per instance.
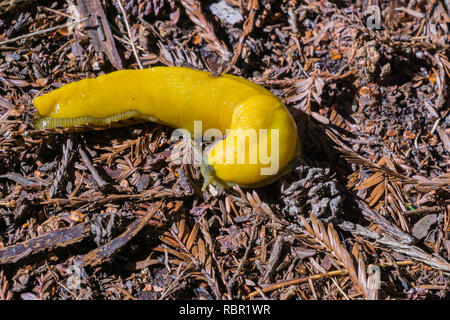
x,y
39,32
130,36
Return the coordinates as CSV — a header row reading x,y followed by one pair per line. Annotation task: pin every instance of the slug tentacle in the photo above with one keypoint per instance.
x,y
260,134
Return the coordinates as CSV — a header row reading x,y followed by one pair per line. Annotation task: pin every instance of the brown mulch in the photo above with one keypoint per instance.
x,y
105,214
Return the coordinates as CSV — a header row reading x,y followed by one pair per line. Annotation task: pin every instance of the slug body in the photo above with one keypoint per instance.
x,y
176,97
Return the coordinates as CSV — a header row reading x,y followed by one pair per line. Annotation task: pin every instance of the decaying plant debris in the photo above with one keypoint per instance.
x,y
91,214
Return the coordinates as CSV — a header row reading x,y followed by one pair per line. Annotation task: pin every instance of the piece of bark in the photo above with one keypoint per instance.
x,y
421,228
444,138
98,30
29,182
274,257
47,241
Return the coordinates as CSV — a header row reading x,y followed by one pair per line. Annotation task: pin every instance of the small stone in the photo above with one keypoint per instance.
x,y
12,57
226,12
250,283
143,182
77,49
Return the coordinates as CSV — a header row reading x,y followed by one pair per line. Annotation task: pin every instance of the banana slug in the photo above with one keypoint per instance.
x,y
178,96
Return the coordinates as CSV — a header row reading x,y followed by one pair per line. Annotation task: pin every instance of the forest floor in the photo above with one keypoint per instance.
x,y
105,214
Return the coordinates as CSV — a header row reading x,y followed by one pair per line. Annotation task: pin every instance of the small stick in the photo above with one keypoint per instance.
x,y
91,168
423,210
298,281
129,33
39,32
57,12
340,272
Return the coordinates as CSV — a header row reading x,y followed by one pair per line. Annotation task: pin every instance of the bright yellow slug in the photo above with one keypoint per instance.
x,y
176,97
